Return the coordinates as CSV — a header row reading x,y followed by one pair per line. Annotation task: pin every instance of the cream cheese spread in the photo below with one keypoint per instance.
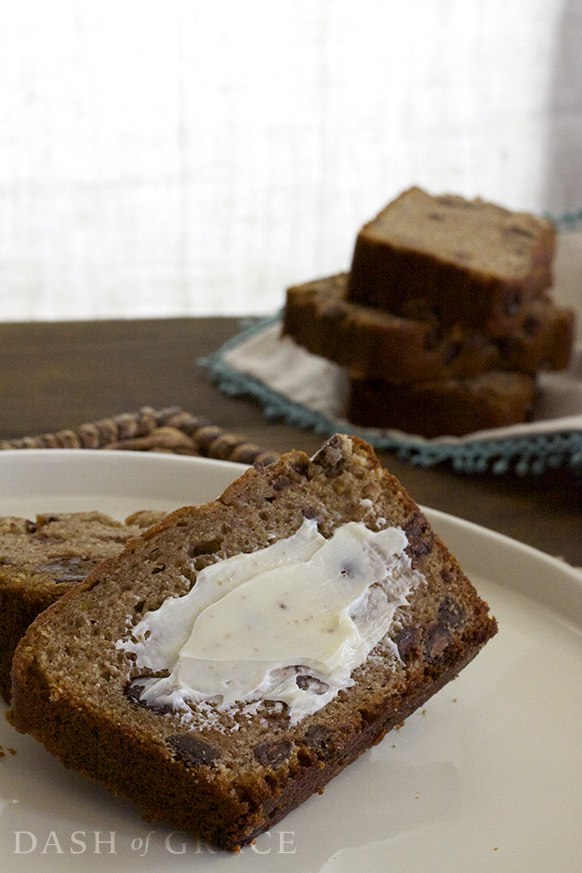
x,y
288,623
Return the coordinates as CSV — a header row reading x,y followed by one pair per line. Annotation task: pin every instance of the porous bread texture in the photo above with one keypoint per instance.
x,y
41,559
227,779
465,262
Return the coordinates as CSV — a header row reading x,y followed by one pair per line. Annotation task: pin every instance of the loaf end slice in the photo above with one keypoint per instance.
x,y
40,559
225,773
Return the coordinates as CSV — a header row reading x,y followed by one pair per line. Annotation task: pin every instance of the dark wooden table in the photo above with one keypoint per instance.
x,y
59,375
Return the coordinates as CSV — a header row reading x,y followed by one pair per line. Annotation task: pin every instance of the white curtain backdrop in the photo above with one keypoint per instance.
x,y
181,157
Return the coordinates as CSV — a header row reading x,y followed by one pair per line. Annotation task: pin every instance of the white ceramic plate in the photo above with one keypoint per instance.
x,y
488,777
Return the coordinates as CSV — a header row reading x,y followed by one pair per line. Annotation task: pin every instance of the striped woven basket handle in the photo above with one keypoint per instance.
x,y
166,430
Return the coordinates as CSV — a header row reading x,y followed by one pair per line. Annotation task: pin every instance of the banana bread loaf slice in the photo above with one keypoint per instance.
x,y
41,559
239,655
461,261
444,407
378,345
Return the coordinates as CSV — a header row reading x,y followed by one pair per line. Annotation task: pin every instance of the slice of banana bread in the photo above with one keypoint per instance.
x,y
41,559
445,407
461,261
114,681
378,345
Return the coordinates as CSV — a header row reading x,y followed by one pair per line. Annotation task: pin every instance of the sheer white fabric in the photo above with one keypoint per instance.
x,y
192,158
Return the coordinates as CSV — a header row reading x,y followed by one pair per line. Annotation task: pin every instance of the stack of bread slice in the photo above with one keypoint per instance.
x,y
445,318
